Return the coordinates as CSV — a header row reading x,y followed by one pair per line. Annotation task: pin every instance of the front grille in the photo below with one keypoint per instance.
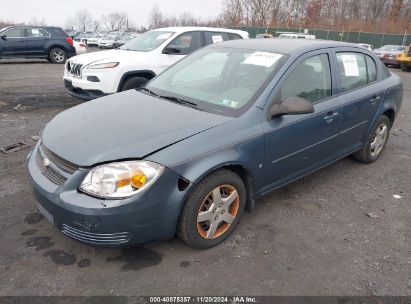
x,y
96,238
47,161
74,69
58,161
48,172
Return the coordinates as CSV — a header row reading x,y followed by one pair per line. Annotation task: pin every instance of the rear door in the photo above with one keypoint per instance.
x,y
298,144
360,93
12,42
187,43
36,41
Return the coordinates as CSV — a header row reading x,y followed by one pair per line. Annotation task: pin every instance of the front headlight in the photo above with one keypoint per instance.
x,y
120,180
106,65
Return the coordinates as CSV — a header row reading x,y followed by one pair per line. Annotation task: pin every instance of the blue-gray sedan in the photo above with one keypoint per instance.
x,y
194,148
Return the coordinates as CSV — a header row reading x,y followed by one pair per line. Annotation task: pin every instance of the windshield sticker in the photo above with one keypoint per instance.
x,y
265,59
217,38
163,36
350,65
229,103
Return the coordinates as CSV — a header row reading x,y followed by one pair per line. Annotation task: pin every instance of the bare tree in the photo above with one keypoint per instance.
x,y
187,19
156,18
115,21
83,20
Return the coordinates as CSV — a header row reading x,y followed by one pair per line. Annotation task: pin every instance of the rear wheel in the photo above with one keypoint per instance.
x,y
405,67
57,55
376,141
134,83
213,210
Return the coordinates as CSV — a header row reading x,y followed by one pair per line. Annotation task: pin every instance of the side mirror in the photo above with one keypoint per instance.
x,y
171,50
292,105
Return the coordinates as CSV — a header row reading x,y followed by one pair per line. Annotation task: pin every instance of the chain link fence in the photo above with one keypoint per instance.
x,y
375,39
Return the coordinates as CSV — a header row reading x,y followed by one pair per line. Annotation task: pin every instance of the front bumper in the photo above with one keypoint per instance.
x,y
151,215
390,60
81,93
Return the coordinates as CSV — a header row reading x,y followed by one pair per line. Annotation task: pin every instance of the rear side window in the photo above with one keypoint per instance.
x,y
311,80
36,32
233,36
353,70
371,69
57,32
215,37
15,33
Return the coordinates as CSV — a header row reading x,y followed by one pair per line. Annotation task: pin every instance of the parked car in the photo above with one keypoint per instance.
x,y
83,37
194,148
48,42
296,36
93,40
124,39
264,36
80,47
366,46
132,65
108,41
388,54
404,58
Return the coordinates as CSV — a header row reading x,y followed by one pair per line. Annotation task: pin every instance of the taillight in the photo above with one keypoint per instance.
x,y
69,40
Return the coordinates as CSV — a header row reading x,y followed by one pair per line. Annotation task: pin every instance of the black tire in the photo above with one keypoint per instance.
x,y
405,68
193,233
133,83
57,55
367,154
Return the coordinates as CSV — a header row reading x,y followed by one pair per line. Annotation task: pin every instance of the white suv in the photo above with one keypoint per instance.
x,y
97,74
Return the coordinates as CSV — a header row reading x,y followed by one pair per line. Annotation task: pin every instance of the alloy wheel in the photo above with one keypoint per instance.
x,y
218,211
378,140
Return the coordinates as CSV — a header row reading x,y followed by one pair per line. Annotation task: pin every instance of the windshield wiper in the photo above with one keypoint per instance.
x,y
148,91
179,101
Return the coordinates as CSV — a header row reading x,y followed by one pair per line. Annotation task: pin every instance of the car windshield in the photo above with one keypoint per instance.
x,y
391,48
110,37
148,41
219,80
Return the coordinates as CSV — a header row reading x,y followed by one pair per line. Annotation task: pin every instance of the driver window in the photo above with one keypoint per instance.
x,y
311,80
187,43
15,33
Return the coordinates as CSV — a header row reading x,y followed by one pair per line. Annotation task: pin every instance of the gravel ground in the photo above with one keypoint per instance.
x,y
313,237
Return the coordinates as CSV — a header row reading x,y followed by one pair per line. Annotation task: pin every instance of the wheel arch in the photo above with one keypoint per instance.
x,y
139,73
238,168
390,113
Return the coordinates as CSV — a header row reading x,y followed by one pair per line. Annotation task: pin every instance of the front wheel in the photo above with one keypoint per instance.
x,y
57,55
376,141
134,83
213,210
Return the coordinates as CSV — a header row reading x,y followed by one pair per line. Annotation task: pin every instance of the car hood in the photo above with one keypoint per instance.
x,y
118,55
127,125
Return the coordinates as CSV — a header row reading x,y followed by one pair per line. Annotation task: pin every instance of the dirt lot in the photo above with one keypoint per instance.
x,y
312,237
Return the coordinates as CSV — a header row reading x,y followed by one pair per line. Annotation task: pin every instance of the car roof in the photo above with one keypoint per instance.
x,y
181,29
284,45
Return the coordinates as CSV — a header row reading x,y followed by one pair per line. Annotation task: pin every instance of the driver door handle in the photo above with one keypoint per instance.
x,y
330,116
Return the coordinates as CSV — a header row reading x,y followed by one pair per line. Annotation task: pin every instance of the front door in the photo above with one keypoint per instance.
x,y
185,43
12,42
297,144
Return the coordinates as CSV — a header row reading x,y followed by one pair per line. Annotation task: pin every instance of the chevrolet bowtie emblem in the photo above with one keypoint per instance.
x,y
46,162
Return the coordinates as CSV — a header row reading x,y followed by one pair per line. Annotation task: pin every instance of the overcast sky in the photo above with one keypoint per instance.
x,y
57,12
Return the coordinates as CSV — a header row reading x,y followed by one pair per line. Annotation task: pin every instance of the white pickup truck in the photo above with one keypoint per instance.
x,y
97,74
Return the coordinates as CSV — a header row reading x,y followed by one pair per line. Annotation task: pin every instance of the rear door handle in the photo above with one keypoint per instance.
x,y
330,116
374,99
